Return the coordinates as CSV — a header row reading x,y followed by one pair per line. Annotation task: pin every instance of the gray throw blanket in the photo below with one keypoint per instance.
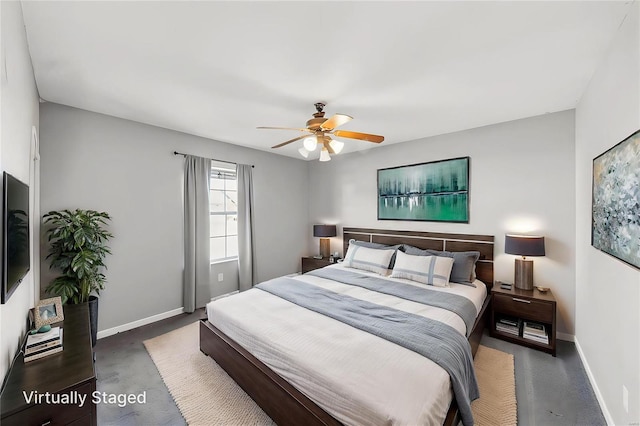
x,y
432,339
455,303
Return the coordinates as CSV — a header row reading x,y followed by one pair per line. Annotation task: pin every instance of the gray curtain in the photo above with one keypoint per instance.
x,y
246,257
196,292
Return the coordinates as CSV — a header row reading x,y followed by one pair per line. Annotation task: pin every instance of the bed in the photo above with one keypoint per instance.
x,y
286,356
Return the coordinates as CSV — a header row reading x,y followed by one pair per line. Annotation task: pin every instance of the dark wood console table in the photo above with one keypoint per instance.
x,y
68,372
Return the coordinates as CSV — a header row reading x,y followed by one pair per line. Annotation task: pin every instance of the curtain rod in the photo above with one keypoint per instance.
x,y
213,159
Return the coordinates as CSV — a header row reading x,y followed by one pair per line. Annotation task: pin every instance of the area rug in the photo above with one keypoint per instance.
x,y
206,395
497,382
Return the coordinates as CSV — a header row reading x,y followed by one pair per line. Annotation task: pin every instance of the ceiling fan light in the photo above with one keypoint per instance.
x,y
336,146
310,143
304,152
324,155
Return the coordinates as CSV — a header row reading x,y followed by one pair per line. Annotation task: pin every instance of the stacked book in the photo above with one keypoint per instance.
x,y
42,344
508,325
535,331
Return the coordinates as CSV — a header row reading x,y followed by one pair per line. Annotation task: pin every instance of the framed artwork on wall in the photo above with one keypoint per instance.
x,y
615,213
437,191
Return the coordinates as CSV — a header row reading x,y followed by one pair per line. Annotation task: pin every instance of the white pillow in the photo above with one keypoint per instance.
x,y
368,259
431,270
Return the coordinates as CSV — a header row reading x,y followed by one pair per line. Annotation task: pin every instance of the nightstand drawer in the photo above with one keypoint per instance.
x,y
524,307
310,263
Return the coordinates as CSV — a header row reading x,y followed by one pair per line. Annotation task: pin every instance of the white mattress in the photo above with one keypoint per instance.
x,y
358,378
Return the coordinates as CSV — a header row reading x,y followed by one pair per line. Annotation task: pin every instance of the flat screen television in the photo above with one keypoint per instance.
x,y
15,234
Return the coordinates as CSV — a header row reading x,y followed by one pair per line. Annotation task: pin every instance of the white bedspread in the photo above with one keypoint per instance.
x,y
358,378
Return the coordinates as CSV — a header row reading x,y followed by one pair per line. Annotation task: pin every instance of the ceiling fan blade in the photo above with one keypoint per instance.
x,y
289,141
335,121
284,128
357,135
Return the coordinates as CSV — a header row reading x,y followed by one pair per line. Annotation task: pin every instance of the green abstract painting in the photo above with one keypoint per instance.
x,y
436,191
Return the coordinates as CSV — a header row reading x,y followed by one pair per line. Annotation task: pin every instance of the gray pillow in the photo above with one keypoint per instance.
x,y
464,262
377,246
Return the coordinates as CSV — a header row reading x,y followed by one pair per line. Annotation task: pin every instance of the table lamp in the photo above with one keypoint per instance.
x,y
324,232
524,245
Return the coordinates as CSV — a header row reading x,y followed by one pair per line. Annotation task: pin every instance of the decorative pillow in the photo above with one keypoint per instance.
x,y
464,262
377,246
431,270
368,259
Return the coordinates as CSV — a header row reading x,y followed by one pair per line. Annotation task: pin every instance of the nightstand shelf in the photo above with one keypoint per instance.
x,y
525,305
311,263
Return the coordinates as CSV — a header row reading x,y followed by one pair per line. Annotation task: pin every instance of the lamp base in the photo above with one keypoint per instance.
x,y
524,274
324,247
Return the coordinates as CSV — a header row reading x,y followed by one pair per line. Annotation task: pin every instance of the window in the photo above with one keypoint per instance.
x,y
223,213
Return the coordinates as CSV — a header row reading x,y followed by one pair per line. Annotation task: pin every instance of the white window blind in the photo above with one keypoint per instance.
x,y
223,206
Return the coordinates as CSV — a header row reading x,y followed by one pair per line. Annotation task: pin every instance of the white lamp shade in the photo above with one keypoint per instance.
x,y
304,152
336,146
324,155
310,143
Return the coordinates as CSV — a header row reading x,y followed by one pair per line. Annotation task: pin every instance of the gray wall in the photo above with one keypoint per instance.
x,y
229,281
19,105
608,290
128,169
522,180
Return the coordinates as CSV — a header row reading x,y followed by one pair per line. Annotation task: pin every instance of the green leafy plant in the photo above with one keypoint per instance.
x,y
78,249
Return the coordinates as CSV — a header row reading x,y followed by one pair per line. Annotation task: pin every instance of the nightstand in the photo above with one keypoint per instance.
x,y
524,305
310,263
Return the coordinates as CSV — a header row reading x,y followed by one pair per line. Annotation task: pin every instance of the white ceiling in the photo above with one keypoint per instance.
x,y
403,70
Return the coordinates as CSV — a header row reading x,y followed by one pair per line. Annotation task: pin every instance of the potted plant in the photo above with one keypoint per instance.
x,y
78,247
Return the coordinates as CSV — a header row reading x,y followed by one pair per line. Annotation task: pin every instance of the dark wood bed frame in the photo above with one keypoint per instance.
x,y
283,402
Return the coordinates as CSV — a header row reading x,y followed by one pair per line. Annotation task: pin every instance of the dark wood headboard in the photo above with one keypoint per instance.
x,y
431,240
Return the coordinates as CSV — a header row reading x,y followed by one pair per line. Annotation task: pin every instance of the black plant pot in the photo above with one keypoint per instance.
x,y
93,318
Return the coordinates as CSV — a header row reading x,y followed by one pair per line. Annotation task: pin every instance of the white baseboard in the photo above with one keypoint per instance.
x,y
139,323
144,321
594,385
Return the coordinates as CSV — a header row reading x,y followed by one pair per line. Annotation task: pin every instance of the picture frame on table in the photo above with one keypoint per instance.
x,y
48,311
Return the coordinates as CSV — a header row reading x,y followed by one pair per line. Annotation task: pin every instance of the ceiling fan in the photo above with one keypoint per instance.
x,y
320,129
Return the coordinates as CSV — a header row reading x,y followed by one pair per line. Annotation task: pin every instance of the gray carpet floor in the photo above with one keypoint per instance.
x,y
550,391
